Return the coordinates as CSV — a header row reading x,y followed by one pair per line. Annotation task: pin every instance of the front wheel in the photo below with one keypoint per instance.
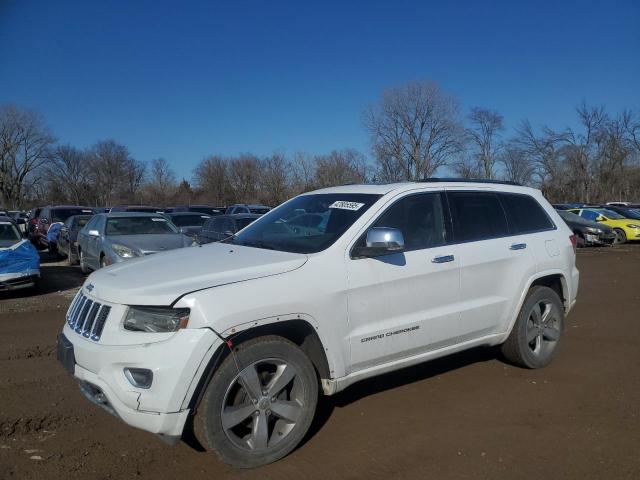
x,y
621,237
83,264
259,403
536,334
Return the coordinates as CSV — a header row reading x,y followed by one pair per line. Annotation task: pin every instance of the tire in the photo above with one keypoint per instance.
x,y
621,237
535,336
71,258
53,248
238,438
103,262
83,266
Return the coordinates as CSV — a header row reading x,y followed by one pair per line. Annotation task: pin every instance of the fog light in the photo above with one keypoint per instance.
x,y
139,377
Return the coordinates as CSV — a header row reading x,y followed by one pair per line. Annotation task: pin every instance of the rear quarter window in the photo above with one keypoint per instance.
x,y
525,214
477,216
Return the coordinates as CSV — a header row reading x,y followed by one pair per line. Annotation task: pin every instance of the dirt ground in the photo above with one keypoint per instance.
x,y
464,417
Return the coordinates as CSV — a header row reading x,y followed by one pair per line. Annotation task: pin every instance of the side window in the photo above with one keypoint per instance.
x,y
228,226
216,225
477,216
69,222
589,214
91,224
524,213
207,226
419,217
44,214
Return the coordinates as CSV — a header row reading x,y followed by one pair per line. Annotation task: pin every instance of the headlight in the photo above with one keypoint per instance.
x,y
594,230
122,251
633,225
156,319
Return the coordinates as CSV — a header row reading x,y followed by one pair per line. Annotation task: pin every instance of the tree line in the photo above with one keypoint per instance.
x,y
416,130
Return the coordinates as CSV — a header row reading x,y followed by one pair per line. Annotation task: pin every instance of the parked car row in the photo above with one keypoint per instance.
x,y
608,224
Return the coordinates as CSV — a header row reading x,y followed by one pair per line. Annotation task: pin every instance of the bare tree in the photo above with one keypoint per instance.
x,y
275,185
414,130
517,166
25,145
340,168
303,172
486,128
211,177
116,176
69,173
161,184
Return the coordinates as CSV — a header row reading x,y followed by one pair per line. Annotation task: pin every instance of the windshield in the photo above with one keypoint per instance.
x,y
189,220
632,213
82,221
60,215
610,214
286,228
9,232
139,226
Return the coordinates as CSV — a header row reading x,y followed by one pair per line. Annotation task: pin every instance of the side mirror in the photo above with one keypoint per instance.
x,y
93,233
382,241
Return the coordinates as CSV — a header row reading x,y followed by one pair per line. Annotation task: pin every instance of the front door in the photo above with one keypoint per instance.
x,y
405,303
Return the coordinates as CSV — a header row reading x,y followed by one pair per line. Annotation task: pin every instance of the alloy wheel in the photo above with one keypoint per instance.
x,y
262,404
543,328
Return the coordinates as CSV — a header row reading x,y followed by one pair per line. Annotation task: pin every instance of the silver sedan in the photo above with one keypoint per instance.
x,y
110,238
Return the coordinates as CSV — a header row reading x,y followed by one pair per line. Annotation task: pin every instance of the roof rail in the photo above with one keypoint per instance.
x,y
468,180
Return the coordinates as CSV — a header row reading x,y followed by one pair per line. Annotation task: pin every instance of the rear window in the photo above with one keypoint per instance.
x,y
525,214
139,226
61,214
189,220
243,222
477,216
259,210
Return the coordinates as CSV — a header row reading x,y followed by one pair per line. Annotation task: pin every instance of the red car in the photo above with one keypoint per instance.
x,y
50,215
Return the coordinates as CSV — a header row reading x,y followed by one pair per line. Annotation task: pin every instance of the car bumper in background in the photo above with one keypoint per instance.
x,y
18,280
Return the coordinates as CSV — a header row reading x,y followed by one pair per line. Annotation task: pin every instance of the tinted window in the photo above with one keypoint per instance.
x,y
420,218
188,220
215,225
589,214
139,226
61,214
477,216
525,214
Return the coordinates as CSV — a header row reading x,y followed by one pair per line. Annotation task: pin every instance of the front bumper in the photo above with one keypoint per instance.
x,y
161,409
18,280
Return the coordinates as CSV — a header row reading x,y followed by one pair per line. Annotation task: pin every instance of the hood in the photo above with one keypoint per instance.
x,y
161,279
151,243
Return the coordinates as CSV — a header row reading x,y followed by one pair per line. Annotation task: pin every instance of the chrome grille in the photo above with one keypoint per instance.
x,y
87,317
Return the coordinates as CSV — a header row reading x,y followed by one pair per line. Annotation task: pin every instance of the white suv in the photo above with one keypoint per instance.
x,y
236,339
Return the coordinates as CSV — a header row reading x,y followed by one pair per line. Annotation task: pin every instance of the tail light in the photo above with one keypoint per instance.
x,y
574,242
34,221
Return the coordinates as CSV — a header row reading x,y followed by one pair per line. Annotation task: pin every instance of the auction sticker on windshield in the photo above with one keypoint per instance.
x,y
344,205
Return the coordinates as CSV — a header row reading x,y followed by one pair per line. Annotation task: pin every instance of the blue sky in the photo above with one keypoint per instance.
x,y
183,80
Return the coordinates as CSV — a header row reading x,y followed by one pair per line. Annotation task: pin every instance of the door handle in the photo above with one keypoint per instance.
x,y
518,246
443,259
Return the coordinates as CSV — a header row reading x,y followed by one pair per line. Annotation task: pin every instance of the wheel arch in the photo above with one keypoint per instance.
x,y
554,279
297,330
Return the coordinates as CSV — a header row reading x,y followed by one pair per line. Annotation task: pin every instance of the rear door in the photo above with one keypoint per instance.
x,y
493,263
405,303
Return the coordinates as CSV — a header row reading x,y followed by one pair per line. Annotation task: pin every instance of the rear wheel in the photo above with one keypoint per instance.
x,y
83,265
537,331
259,403
621,237
103,261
